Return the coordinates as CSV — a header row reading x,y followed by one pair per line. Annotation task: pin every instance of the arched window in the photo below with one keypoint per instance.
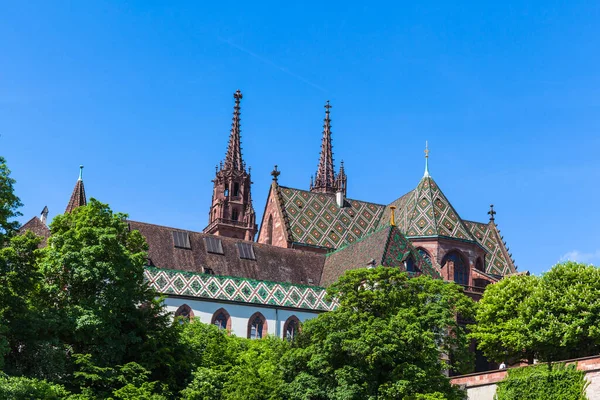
x,y
184,313
257,326
270,230
479,264
226,192
236,189
234,214
409,263
221,319
425,255
291,328
461,270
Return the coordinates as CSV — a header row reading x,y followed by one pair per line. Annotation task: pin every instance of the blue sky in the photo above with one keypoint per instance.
x,y
140,92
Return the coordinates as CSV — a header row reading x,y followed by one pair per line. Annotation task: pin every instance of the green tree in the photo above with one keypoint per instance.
x,y
93,281
22,388
552,317
34,351
502,330
9,203
387,340
563,314
228,367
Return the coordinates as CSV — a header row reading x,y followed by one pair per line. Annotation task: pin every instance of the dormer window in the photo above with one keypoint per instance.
x,y
181,240
246,251
213,245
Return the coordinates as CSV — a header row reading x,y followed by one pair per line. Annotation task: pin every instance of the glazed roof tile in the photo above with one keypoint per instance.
x,y
387,246
498,260
315,218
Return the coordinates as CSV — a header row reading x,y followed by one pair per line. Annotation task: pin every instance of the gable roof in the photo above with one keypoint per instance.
x,y
36,226
271,263
316,219
498,261
425,212
387,246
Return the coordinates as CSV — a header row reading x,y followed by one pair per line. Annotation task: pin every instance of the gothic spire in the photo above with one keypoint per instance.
x,y
325,178
78,196
233,158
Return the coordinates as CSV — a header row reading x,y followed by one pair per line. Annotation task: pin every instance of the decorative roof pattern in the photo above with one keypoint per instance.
x,y
238,289
316,219
427,212
386,246
399,249
498,260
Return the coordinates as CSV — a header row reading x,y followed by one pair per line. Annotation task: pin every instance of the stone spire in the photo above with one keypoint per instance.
x,y
233,157
341,179
78,196
325,178
231,212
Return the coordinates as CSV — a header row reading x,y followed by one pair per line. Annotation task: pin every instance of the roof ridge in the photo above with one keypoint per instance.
x,y
330,195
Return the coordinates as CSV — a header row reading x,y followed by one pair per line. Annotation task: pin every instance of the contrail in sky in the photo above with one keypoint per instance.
x,y
264,60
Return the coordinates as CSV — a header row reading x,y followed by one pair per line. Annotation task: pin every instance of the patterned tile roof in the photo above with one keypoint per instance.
x,y
498,260
386,246
229,288
315,218
425,211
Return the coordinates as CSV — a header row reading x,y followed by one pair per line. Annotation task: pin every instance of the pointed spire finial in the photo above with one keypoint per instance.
x,y
393,216
275,173
492,212
325,177
426,159
80,172
233,157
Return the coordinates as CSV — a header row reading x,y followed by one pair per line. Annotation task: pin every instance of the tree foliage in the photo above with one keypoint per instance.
x,y
9,203
552,317
386,340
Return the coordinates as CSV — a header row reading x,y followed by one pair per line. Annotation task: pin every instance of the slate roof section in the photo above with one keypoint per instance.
x,y
387,246
498,261
271,264
36,226
316,219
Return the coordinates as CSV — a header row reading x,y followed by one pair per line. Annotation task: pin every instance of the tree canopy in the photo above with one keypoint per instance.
x,y
9,203
552,317
390,337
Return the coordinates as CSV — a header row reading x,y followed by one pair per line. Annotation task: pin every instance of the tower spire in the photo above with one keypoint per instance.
x,y
233,157
426,159
231,212
325,177
78,198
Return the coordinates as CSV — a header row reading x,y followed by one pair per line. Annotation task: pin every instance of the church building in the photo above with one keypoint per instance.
x,y
257,281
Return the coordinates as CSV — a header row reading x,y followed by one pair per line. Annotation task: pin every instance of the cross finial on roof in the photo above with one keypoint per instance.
x,y
491,212
275,173
392,216
426,158
81,172
327,107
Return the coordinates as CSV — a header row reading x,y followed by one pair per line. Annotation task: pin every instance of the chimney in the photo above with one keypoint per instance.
x,y
339,198
44,215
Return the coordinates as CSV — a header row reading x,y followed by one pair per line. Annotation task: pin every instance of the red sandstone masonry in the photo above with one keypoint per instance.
x,y
588,364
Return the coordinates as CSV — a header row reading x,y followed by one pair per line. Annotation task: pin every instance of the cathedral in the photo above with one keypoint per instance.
x,y
265,280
